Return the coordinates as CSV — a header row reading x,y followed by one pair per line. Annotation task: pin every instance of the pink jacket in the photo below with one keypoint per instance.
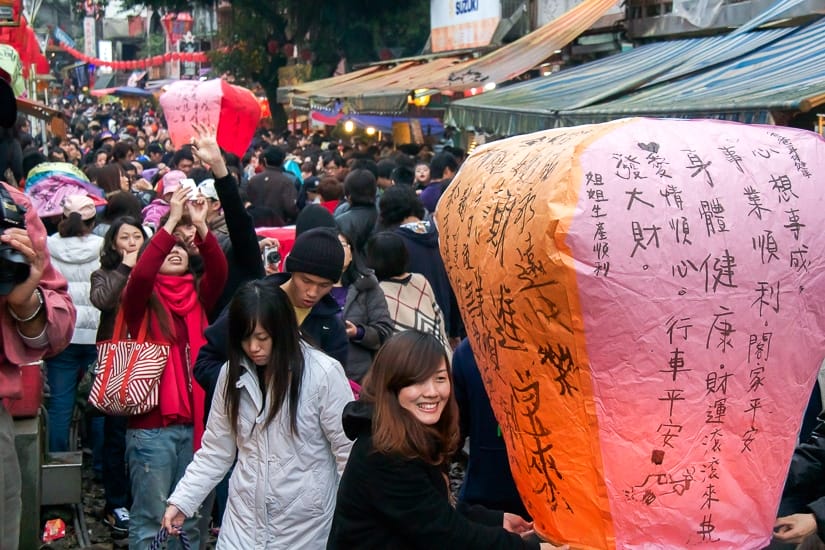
x,y
59,308
154,211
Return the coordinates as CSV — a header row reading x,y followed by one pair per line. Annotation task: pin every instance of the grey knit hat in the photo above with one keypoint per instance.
x,y
317,252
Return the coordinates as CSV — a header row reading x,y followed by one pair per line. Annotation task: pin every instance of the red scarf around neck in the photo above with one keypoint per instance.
x,y
181,398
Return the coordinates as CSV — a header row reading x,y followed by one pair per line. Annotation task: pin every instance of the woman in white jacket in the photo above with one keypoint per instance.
x,y
75,253
278,402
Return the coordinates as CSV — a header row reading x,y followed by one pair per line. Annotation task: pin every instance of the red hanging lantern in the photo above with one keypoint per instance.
x,y
167,57
167,21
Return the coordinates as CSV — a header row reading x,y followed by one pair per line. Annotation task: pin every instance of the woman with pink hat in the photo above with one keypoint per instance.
x,y
75,253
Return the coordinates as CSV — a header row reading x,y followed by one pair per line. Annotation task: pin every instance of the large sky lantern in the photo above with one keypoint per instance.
x,y
646,302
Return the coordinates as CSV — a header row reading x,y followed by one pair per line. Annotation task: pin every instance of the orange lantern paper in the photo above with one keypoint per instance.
x,y
233,110
645,302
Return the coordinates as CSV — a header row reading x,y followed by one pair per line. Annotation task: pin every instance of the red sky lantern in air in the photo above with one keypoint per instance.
x,y
233,110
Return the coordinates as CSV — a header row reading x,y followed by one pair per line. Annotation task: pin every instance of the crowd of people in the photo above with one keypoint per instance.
x,y
314,395
290,369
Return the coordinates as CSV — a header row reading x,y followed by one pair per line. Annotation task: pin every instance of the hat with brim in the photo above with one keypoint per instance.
x,y
207,189
82,205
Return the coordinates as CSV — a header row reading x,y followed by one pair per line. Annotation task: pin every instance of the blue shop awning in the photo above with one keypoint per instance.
x,y
785,75
429,125
740,76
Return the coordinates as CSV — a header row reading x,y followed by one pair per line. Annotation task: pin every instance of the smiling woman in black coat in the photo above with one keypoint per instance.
x,y
394,491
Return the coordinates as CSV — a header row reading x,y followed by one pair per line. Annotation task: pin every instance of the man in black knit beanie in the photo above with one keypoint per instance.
x,y
313,266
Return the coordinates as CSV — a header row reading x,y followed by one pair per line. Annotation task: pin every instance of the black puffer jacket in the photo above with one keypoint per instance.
x,y
805,488
386,501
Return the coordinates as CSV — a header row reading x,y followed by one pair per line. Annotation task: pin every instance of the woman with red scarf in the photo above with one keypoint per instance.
x,y
160,444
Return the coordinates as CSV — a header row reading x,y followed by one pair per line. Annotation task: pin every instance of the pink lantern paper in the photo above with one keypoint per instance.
x,y
233,110
646,302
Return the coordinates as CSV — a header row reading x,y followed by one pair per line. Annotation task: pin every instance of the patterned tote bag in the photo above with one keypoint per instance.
x,y
128,372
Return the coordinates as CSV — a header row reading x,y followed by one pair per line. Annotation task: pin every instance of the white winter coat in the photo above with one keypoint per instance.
x,y
283,488
76,258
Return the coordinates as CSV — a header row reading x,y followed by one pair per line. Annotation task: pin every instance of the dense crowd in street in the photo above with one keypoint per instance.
x,y
312,344
313,376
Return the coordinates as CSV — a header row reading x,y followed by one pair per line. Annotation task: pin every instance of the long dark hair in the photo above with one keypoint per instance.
x,y
75,226
261,304
356,268
110,257
121,203
108,177
407,358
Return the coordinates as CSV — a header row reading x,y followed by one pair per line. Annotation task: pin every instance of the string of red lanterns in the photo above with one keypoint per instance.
x,y
188,57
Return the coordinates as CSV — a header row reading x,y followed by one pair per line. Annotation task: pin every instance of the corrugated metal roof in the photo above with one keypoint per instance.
x,y
788,74
722,76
